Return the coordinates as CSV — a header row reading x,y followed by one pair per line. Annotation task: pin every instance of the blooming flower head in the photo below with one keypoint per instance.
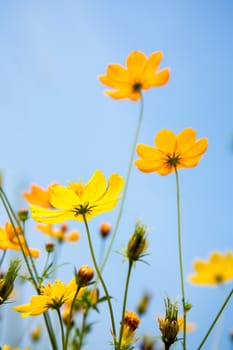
x,y
60,233
78,200
140,73
38,196
14,239
52,296
216,270
131,323
171,152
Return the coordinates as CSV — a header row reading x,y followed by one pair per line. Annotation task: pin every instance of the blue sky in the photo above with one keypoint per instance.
x,y
58,126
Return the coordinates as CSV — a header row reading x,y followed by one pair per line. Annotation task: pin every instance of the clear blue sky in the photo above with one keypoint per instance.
x,y
56,125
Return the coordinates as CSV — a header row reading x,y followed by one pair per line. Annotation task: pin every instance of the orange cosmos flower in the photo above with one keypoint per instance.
x,y
141,73
9,240
61,234
216,270
39,196
171,152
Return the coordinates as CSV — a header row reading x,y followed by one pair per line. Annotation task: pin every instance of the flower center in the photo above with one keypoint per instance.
x,y
218,278
173,161
83,209
137,87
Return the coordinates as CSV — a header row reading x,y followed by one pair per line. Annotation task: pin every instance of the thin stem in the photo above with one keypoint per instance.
x,y
82,331
62,329
2,257
50,331
100,277
11,215
118,219
180,259
70,318
215,320
124,302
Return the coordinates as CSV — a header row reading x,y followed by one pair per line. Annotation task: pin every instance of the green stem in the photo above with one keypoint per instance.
x,y
125,186
100,277
180,260
62,328
124,302
11,215
216,319
82,331
70,318
50,331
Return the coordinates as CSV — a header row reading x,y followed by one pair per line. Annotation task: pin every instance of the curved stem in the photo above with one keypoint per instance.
x,y
100,277
180,259
124,303
216,319
125,187
70,318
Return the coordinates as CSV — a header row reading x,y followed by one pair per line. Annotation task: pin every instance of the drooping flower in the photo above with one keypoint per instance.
x,y
9,239
39,196
52,296
77,199
216,270
61,233
140,73
171,152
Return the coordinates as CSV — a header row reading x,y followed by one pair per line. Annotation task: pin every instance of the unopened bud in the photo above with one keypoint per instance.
x,y
23,214
142,306
36,334
84,275
131,320
169,325
105,229
137,243
49,247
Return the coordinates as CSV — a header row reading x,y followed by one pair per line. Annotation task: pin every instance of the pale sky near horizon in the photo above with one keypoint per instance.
x,y
57,125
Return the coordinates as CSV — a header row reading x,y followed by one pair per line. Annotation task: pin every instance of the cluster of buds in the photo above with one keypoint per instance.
x,y
169,325
137,244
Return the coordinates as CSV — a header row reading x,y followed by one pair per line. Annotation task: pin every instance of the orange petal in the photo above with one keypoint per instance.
x,y
166,141
136,62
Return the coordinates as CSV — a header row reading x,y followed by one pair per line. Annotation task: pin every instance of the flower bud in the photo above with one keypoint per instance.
x,y
131,323
143,304
23,214
137,243
105,229
84,275
169,325
36,334
49,247
7,282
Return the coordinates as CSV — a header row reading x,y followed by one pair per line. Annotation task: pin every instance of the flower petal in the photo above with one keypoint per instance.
x,y
136,62
48,216
63,197
161,78
166,141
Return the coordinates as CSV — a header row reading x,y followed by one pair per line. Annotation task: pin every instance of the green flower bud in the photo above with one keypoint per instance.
x,y
137,243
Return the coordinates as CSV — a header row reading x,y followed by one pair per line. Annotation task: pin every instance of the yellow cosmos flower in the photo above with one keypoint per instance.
x,y
60,234
53,296
171,152
9,240
216,270
141,73
38,196
76,200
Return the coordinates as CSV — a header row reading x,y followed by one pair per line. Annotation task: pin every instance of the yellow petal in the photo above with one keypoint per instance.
x,y
95,187
123,93
48,216
152,64
161,78
116,76
136,62
64,198
166,141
